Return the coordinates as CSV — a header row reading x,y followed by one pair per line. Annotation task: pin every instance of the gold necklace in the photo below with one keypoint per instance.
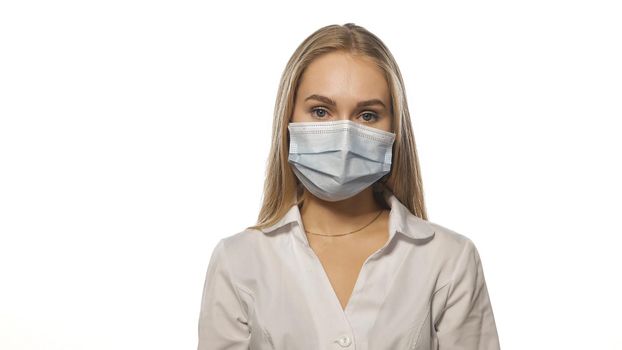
x,y
347,233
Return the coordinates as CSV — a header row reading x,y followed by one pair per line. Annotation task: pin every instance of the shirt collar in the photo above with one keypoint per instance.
x,y
400,220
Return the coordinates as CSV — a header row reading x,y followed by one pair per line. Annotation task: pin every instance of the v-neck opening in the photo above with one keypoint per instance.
x,y
326,279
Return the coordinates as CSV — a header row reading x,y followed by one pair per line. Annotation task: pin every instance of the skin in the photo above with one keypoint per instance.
x,y
345,79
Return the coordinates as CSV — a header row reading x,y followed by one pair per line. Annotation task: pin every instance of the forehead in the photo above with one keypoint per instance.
x,y
340,74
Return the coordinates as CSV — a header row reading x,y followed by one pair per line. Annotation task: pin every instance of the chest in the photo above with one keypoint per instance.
x,y
332,296
342,259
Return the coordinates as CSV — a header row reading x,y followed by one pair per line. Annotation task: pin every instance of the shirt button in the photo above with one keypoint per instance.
x,y
344,341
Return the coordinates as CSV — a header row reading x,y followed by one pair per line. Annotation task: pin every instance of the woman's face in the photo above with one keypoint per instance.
x,y
337,86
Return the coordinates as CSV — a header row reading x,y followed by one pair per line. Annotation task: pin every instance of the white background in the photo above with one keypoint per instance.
x,y
134,135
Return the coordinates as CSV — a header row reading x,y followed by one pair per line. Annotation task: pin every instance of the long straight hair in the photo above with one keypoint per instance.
x,y
281,186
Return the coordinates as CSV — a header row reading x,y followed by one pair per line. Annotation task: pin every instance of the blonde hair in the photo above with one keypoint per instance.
x,y
281,187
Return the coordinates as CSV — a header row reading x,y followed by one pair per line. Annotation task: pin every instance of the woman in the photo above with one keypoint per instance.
x,y
342,256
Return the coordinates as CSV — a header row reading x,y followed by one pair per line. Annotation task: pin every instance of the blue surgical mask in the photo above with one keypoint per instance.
x,y
336,160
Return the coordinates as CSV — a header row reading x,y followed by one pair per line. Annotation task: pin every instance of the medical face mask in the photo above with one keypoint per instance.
x,y
336,160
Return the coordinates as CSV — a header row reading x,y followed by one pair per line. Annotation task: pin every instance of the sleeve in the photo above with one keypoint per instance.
x,y
222,322
467,321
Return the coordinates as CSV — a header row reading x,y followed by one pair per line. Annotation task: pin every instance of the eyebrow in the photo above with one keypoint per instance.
x,y
331,102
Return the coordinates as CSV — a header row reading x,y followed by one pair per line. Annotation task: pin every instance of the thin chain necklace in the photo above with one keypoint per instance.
x,y
347,233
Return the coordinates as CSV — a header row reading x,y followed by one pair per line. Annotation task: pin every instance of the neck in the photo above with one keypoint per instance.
x,y
346,215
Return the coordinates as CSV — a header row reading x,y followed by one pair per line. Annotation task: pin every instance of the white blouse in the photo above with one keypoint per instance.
x,y
424,289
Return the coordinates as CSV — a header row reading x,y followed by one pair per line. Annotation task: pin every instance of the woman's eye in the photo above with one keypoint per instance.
x,y
369,117
320,112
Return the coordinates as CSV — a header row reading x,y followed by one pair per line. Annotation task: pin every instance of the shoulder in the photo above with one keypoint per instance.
x,y
247,255
241,243
451,249
449,239
247,249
